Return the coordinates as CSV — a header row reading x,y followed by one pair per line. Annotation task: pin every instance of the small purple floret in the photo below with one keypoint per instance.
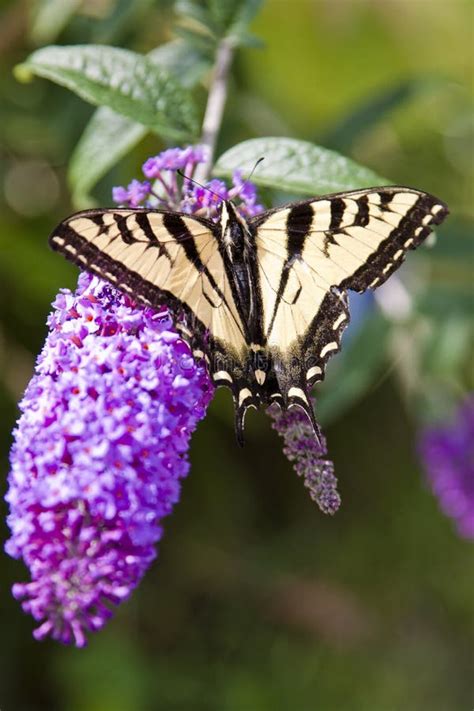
x,y
308,455
135,193
447,452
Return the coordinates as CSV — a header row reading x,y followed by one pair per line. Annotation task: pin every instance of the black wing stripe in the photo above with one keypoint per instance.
x,y
385,198
337,213
144,223
99,221
362,217
127,236
298,225
177,227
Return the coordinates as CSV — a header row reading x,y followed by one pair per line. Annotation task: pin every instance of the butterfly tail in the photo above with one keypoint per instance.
x,y
304,403
239,425
243,399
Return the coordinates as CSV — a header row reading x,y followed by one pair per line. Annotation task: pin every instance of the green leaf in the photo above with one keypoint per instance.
x,y
120,16
296,167
233,16
106,139
183,62
109,136
216,19
190,10
126,82
238,28
354,370
50,18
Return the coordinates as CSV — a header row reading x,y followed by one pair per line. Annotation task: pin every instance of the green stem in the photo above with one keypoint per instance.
x,y
215,106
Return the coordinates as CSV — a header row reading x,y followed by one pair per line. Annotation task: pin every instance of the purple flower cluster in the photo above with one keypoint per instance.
x,y
100,451
101,445
171,191
308,455
447,452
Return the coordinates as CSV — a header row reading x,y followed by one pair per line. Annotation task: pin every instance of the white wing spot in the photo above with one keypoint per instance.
x,y
315,370
81,258
398,254
374,283
297,392
408,242
70,248
328,348
112,277
59,240
436,209
418,231
222,375
340,319
198,353
387,267
244,395
427,219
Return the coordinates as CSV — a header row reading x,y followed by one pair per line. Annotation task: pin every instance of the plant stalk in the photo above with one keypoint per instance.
x,y
215,106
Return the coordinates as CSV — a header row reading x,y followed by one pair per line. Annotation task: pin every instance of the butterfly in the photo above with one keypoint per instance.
x,y
262,301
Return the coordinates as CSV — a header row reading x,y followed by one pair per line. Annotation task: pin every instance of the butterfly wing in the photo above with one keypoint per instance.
x,y
310,253
158,258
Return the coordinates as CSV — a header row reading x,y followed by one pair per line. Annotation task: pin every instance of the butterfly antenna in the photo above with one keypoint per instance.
x,y
196,182
256,166
249,176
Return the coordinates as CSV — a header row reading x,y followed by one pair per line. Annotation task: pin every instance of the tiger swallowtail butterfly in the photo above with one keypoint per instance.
x,y
263,301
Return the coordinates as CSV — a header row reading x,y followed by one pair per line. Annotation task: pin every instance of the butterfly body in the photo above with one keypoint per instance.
x,y
263,301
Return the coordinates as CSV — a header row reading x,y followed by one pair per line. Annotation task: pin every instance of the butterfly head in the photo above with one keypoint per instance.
x,y
234,229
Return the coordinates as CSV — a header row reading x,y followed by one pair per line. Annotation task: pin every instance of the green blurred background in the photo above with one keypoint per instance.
x,y
257,600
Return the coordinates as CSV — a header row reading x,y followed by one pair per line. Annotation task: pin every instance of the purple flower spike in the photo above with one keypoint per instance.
x,y
100,451
447,452
302,448
102,444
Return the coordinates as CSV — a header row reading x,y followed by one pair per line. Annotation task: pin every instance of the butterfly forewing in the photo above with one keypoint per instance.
x,y
311,252
158,258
